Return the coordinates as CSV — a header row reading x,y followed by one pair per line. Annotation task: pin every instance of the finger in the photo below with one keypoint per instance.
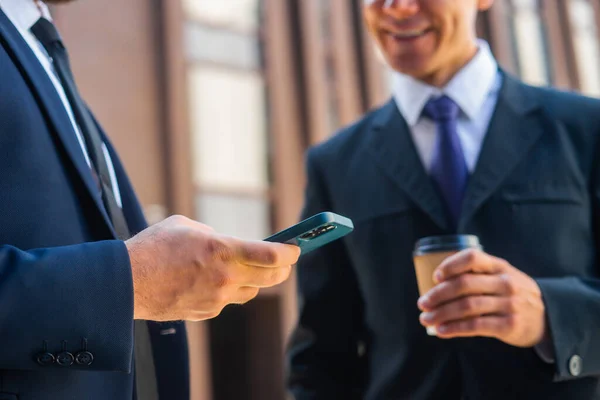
x,y
463,285
494,326
244,295
464,308
267,254
260,277
474,261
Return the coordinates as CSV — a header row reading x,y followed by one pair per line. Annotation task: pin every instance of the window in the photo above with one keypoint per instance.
x,y
530,42
228,112
229,137
245,217
586,45
207,44
234,14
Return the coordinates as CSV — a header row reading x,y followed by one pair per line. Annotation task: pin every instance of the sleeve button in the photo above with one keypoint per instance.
x,y
64,359
45,359
575,365
84,358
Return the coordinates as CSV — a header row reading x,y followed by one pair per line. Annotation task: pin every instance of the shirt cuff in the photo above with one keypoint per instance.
x,y
545,349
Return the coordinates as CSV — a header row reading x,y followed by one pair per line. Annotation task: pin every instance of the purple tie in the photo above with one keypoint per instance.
x,y
448,169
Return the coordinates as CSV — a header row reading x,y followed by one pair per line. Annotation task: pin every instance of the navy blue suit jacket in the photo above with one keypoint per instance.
x,y
533,199
63,276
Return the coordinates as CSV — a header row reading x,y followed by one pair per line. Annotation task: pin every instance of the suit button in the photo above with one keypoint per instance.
x,y
64,359
45,359
575,365
84,358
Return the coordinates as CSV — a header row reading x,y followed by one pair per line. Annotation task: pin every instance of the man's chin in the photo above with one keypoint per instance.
x,y
415,70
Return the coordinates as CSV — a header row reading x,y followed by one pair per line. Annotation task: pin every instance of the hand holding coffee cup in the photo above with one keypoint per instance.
x,y
430,252
466,292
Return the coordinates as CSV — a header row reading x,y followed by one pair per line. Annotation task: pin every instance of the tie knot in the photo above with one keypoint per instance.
x,y
442,109
46,33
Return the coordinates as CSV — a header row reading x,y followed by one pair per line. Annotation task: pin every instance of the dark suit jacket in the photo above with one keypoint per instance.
x,y
533,199
63,276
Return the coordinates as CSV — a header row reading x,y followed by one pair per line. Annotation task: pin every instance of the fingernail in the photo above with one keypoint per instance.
x,y
442,329
426,316
438,276
423,301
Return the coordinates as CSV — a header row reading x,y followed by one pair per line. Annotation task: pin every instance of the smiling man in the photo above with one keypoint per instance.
x,y
462,147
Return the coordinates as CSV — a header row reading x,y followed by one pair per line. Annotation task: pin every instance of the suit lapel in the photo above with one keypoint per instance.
x,y
513,131
50,104
393,150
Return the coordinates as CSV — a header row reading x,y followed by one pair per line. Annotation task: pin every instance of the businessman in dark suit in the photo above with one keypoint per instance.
x,y
77,262
462,147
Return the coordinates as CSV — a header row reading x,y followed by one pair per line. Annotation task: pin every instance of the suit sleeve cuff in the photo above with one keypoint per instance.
x,y
545,349
573,312
67,300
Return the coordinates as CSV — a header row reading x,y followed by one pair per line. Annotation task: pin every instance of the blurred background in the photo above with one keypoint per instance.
x,y
212,104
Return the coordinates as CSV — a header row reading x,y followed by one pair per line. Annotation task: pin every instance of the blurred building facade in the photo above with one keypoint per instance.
x,y
213,103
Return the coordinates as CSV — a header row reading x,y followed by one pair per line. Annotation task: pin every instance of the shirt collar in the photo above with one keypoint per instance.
x,y
469,88
24,13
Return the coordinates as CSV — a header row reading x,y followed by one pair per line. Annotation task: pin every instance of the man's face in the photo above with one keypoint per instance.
x,y
422,38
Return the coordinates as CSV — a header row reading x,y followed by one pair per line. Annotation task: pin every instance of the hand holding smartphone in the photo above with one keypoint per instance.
x,y
314,232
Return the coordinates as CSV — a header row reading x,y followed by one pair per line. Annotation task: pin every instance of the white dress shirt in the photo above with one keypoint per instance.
x,y
24,14
474,88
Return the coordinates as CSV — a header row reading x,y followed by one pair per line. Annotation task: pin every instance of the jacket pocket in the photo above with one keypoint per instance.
x,y
549,195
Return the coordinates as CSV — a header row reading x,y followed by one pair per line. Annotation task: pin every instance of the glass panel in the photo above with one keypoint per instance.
x,y
530,43
243,14
228,125
587,47
244,217
208,44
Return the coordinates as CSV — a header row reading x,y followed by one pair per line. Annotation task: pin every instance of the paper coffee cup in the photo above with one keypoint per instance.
x,y
430,252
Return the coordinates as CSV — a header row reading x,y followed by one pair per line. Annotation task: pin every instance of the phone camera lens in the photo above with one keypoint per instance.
x,y
308,236
318,232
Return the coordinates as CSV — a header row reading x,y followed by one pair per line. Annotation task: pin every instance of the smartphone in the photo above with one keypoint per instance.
x,y
314,232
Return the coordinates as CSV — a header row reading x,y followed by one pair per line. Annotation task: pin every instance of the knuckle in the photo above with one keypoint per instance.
x,y
209,306
268,257
177,219
513,305
261,255
481,324
252,294
462,283
222,279
468,304
218,250
508,284
215,313
220,300
475,324
511,322
472,256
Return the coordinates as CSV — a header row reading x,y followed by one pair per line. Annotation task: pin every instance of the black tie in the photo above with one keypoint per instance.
x,y
47,34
